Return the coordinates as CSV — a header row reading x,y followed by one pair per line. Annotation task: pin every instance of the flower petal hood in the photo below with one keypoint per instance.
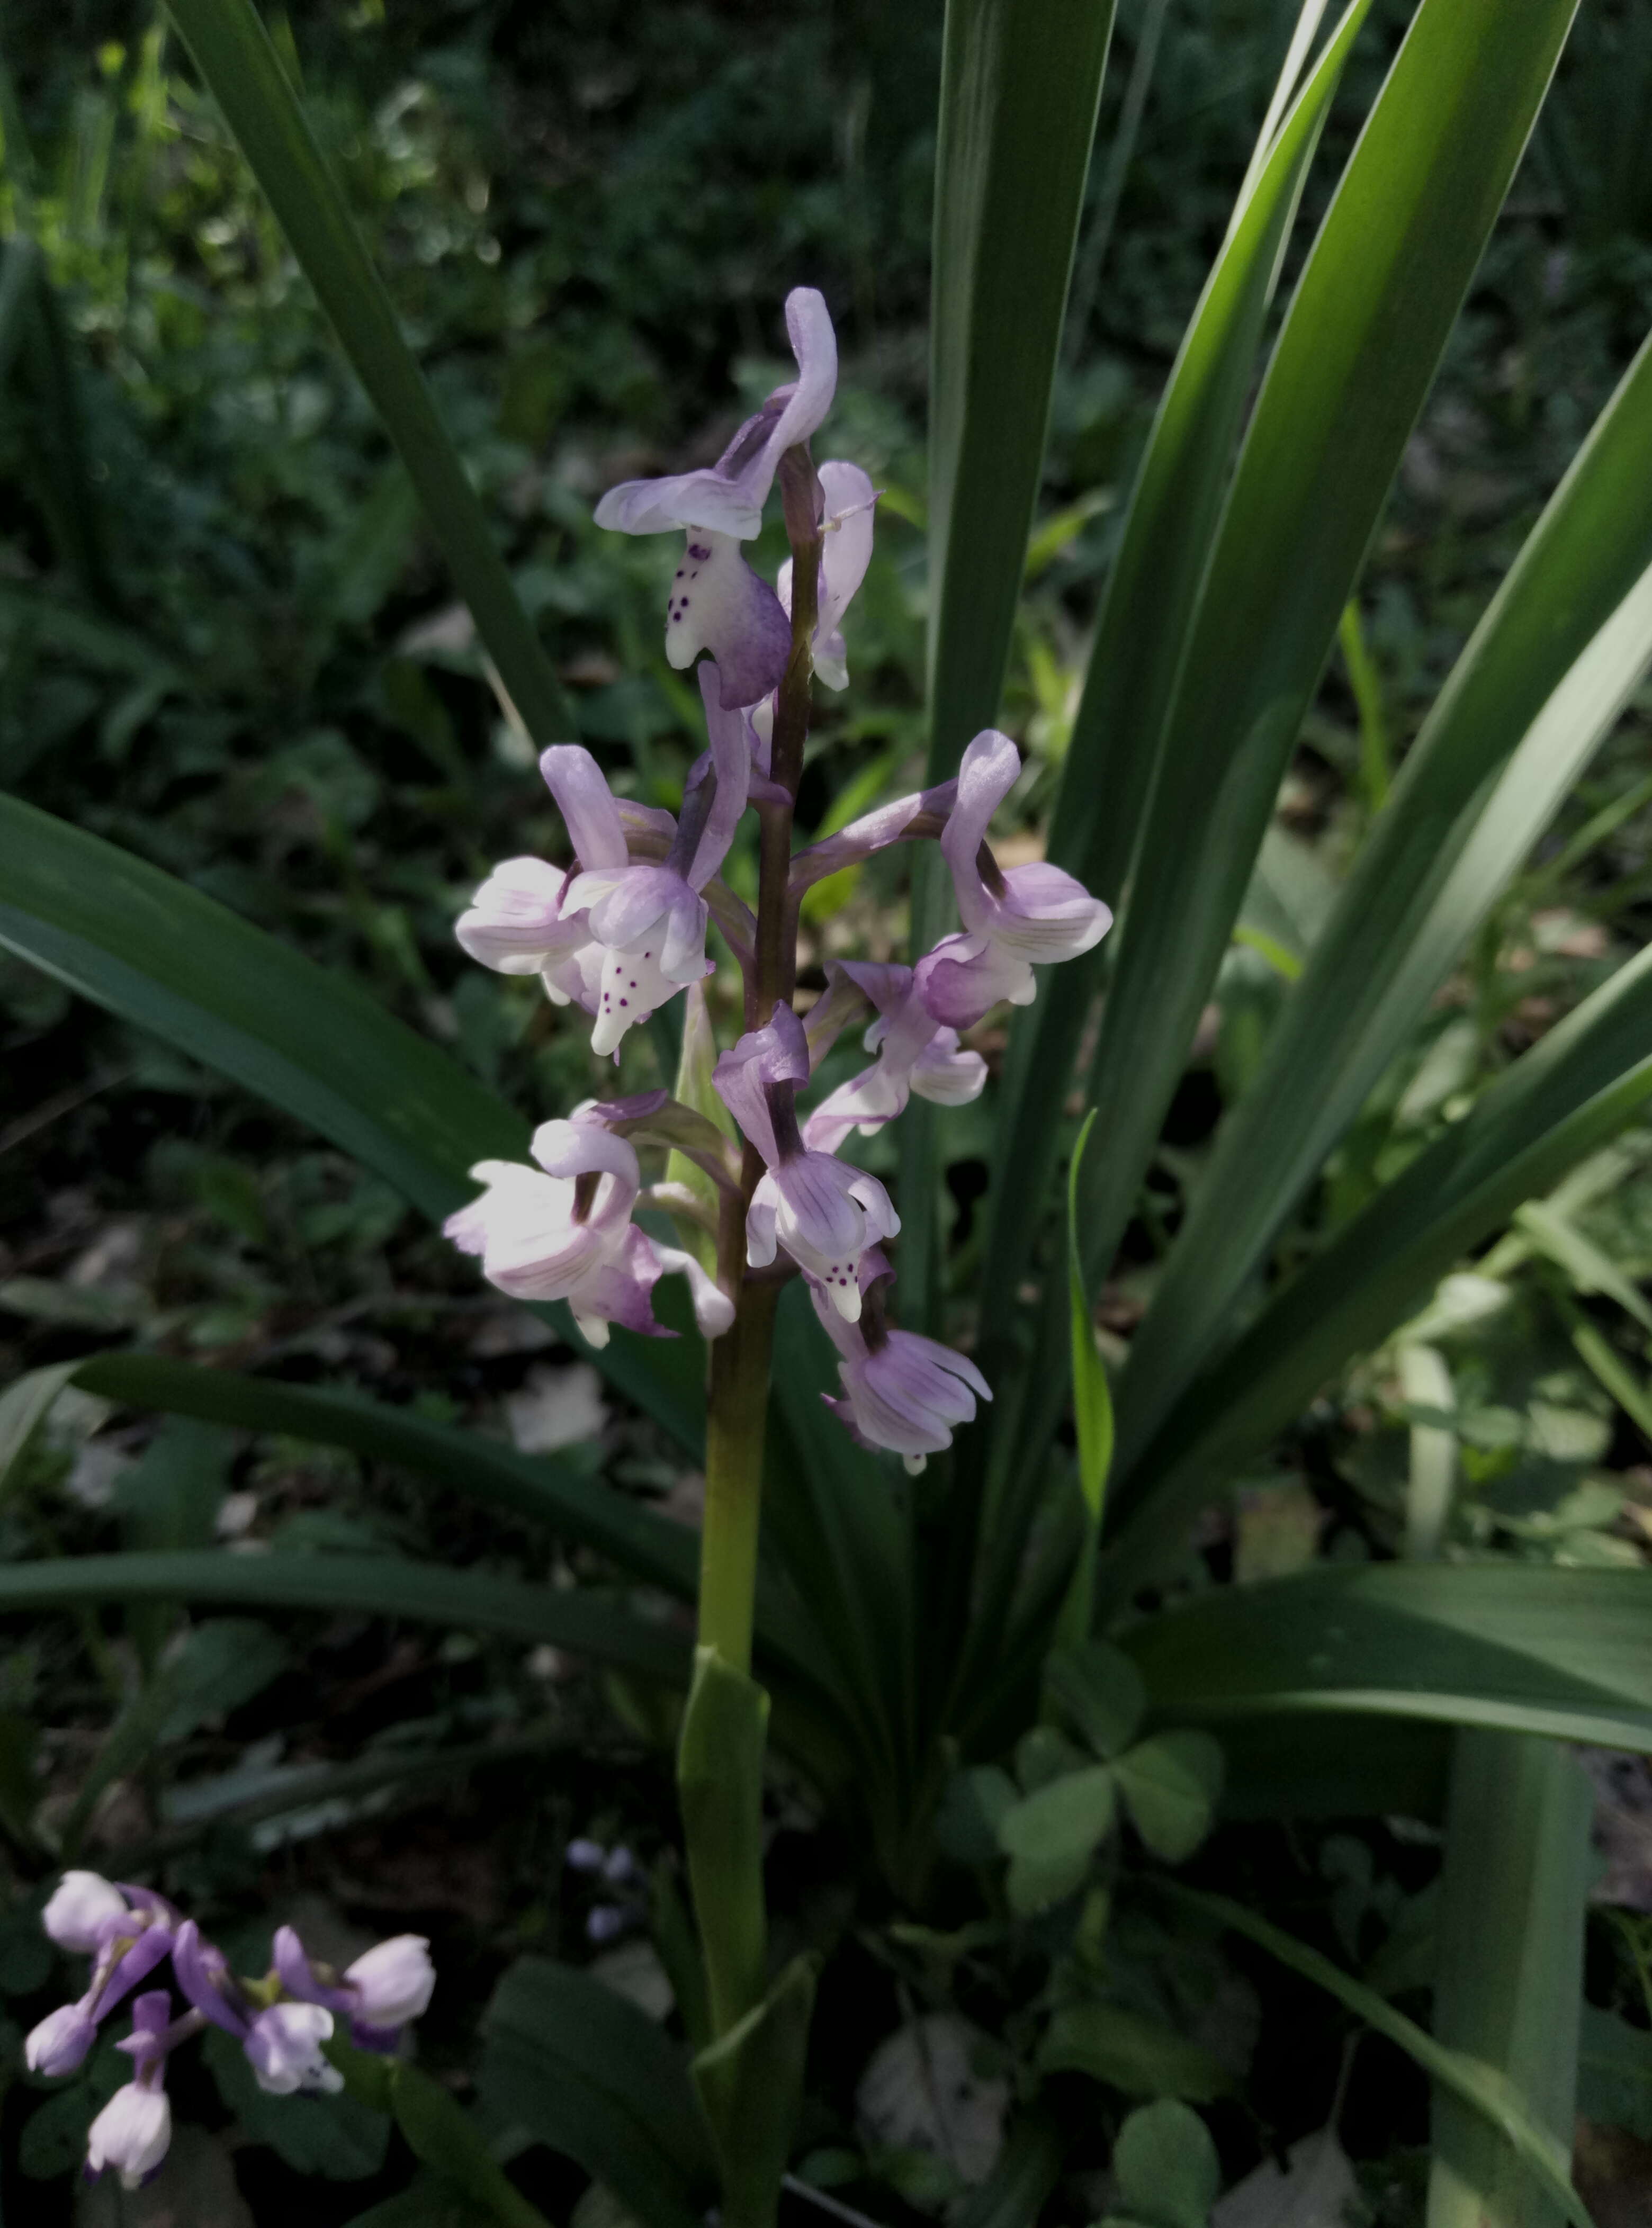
x,y
727,498
1039,912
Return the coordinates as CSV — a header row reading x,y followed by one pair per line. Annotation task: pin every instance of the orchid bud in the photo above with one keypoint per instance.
x,y
392,1980
60,2041
81,1904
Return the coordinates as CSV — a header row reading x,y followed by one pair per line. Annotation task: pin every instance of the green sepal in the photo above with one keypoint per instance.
x,y
750,2083
719,1778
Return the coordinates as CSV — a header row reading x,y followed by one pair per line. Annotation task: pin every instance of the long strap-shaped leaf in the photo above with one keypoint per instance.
x,y
375,1585
1020,82
536,1487
1141,634
1558,1102
1525,1648
1483,2089
1508,1974
1365,327
1562,646
235,55
308,1039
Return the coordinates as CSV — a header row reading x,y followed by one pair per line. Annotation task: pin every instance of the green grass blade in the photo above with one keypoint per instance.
x,y
1021,83
372,1585
1357,353
1092,1416
1483,2088
1542,682
316,1044
1559,1103
241,69
1519,1646
1508,1987
1151,595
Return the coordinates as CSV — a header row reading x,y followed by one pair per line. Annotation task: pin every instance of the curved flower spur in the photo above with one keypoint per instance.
x,y
622,928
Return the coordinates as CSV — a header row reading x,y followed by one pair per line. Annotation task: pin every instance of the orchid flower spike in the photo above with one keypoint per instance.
x,y
645,923
134,2130
567,1233
126,1931
900,1391
915,1053
1010,919
824,1214
717,603
845,553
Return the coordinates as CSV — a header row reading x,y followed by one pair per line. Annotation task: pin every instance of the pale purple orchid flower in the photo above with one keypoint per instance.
x,y
384,1988
1011,919
900,1391
646,921
564,1231
127,1931
845,552
134,2130
282,2041
717,603
915,1053
824,1214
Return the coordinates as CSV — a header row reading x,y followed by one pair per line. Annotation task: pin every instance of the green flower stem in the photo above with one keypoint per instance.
x,y
737,1412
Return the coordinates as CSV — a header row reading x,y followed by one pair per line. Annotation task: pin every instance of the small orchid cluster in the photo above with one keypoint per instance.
x,y
622,930
280,2022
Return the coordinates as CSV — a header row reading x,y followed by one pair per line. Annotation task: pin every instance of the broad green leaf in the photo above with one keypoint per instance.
x,y
581,2069
1559,1103
1129,2051
375,1585
1151,594
1020,82
1355,359
1166,2165
1524,1647
243,71
1508,1980
1483,2088
306,1038
1170,1782
1589,1270
1099,1690
1542,680
1069,1818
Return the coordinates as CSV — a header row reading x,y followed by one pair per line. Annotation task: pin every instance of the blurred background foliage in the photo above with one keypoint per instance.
x,y
229,646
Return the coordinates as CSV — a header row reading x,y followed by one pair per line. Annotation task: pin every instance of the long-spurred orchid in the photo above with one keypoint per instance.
x,y
563,1231
915,1053
716,602
901,1392
822,1213
849,500
1012,918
